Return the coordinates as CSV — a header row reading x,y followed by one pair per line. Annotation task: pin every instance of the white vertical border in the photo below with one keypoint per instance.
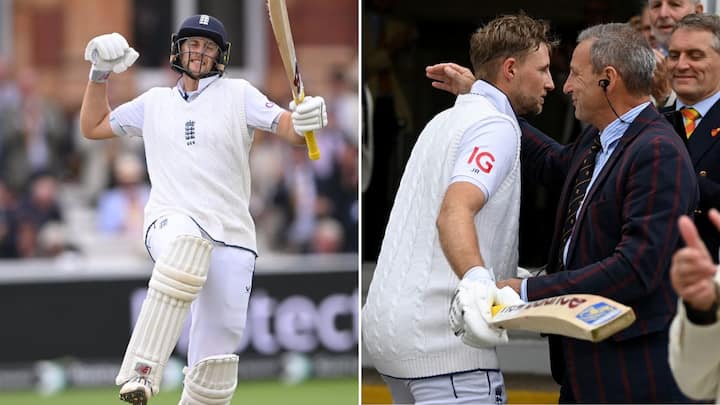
x,y
359,91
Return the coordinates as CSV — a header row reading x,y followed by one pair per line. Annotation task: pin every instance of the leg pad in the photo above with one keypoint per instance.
x,y
212,381
177,278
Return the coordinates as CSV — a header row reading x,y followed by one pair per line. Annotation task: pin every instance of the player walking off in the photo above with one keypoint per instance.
x,y
198,227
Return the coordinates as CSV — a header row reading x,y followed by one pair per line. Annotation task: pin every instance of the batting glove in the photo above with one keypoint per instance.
x,y
470,310
310,115
523,273
109,53
506,296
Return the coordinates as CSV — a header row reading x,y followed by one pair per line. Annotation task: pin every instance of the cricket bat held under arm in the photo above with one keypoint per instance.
x,y
581,316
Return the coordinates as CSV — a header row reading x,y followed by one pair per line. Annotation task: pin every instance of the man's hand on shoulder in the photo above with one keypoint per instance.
x,y
450,77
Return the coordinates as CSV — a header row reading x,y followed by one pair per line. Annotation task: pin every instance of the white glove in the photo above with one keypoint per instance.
x,y
310,115
523,273
109,52
506,296
470,310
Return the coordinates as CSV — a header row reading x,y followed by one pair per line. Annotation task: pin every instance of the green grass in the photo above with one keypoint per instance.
x,y
311,392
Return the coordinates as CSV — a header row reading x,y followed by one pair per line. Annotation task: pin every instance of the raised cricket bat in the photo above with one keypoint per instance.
x,y
283,36
581,316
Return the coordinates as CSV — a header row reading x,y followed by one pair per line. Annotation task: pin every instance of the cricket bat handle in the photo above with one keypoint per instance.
x,y
313,150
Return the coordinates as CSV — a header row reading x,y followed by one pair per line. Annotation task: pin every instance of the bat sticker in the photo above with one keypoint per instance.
x,y
598,313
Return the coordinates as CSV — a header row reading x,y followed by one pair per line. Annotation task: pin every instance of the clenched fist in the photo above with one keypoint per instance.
x,y
109,53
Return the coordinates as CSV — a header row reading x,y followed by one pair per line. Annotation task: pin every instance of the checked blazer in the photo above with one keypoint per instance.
x,y
704,149
624,238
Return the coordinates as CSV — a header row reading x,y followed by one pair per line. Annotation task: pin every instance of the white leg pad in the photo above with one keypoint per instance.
x,y
212,381
177,278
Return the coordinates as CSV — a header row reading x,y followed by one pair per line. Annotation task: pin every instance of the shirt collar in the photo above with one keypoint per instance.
x,y
703,106
613,132
494,95
191,95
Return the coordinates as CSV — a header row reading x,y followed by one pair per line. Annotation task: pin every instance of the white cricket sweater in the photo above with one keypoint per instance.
x,y
198,159
405,325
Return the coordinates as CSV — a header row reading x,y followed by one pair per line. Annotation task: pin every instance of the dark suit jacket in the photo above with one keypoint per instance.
x,y
621,248
704,149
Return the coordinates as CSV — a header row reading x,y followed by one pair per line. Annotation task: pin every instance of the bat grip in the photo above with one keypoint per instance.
x,y
313,150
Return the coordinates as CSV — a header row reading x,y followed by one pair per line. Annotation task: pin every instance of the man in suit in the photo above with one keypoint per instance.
x,y
618,242
694,64
626,180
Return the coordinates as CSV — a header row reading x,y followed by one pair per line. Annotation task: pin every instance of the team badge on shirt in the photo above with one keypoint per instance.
x,y
481,161
190,133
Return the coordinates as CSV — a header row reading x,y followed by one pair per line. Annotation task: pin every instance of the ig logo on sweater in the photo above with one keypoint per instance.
x,y
483,160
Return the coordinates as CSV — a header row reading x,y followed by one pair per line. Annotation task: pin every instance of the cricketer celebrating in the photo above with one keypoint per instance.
x,y
198,227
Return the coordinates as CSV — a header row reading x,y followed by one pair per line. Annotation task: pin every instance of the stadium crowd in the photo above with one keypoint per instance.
x,y
61,193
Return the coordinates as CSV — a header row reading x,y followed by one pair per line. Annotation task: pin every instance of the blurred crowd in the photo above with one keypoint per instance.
x,y
61,194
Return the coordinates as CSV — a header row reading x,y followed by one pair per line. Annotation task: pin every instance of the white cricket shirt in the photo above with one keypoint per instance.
x,y
197,152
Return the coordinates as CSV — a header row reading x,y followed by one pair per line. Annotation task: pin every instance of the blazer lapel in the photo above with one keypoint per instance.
x,y
646,116
674,117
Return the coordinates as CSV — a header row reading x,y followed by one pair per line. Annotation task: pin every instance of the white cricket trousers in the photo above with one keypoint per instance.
x,y
469,387
219,313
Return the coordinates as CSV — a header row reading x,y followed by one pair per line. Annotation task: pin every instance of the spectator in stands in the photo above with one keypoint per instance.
x,y
36,209
7,222
343,194
642,24
9,94
297,193
34,134
328,236
120,209
343,101
55,242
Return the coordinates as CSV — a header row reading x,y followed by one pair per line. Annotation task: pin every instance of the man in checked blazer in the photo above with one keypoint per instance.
x,y
694,64
621,238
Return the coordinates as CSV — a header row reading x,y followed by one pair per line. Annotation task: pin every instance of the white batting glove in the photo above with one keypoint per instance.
x,y
310,115
109,53
470,310
506,296
523,273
